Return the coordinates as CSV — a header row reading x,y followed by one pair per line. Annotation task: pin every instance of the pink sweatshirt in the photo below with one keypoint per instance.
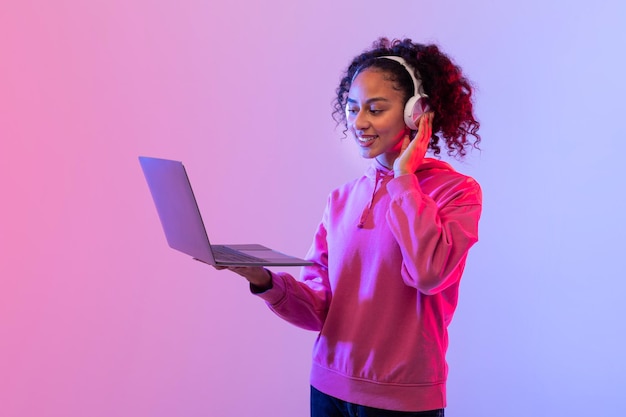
x,y
389,254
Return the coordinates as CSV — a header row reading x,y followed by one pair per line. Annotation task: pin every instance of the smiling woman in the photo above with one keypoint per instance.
x,y
390,250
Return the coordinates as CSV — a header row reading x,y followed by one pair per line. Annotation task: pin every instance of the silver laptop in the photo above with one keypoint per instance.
x,y
183,225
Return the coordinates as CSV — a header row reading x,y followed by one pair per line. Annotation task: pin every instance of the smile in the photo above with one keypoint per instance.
x,y
366,139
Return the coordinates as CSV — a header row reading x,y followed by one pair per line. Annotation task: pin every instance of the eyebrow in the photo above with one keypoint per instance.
x,y
369,101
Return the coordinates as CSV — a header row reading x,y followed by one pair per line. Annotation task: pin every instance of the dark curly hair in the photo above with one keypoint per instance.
x,y
449,92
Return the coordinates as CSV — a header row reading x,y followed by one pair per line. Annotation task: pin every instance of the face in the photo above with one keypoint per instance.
x,y
375,116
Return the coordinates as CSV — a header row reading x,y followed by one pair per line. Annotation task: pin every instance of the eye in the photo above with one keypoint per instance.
x,y
351,110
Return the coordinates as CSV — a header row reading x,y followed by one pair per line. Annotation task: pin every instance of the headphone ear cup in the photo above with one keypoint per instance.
x,y
410,116
414,109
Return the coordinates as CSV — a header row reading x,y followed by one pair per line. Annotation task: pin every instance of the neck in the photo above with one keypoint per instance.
x,y
387,159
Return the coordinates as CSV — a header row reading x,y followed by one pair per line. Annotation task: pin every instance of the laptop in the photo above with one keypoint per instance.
x,y
183,225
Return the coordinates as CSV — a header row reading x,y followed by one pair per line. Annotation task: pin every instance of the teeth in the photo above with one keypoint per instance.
x,y
367,139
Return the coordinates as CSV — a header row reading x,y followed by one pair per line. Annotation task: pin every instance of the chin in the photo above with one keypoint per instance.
x,y
368,155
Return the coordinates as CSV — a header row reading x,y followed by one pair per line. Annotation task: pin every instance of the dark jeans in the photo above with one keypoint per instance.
x,y
323,405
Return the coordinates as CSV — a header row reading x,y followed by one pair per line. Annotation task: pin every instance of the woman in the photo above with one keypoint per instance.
x,y
392,244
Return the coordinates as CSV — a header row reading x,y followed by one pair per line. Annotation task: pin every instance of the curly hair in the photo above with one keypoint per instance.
x,y
449,92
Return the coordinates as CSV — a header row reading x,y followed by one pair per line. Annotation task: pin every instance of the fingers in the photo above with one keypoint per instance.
x,y
425,127
413,152
428,124
424,133
234,269
244,271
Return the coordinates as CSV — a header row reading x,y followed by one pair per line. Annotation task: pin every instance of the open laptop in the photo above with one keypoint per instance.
x,y
183,225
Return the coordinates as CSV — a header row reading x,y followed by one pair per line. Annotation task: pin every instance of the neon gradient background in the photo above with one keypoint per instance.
x,y
98,317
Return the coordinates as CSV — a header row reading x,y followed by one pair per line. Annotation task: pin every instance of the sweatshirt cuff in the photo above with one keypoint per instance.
x,y
275,293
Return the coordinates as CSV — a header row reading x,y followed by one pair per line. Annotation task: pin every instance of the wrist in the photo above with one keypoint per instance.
x,y
263,282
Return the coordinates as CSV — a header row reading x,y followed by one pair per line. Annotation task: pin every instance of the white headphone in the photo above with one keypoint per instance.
x,y
417,105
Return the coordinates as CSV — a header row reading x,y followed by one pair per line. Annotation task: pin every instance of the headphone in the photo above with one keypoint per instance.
x,y
417,105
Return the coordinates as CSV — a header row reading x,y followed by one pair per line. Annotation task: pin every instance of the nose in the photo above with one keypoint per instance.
x,y
360,120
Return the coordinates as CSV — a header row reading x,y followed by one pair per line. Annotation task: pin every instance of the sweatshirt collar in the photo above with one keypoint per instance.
x,y
429,163
377,168
379,174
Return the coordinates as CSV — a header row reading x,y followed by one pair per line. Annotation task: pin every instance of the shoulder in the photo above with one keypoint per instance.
x,y
448,186
349,188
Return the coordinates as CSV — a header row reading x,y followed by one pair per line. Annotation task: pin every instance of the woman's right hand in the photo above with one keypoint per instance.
x,y
256,275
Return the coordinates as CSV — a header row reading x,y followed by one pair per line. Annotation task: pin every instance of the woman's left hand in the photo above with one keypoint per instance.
x,y
413,151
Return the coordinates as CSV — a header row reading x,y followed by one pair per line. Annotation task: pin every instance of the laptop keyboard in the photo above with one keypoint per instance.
x,y
225,254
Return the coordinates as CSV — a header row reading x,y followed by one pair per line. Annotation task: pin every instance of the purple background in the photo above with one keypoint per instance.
x,y
99,318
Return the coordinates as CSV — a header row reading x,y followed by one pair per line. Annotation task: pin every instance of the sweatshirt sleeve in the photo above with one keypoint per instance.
x,y
434,238
303,303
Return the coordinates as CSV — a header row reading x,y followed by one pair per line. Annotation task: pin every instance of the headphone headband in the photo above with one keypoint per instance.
x,y
416,83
